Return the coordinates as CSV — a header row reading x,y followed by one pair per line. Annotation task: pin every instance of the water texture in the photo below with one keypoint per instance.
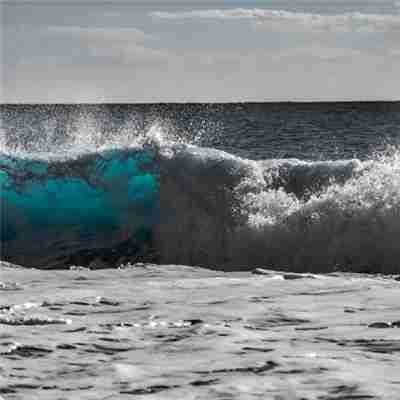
x,y
174,332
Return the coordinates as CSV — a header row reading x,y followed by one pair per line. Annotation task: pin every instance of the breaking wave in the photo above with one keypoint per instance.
x,y
168,202
287,214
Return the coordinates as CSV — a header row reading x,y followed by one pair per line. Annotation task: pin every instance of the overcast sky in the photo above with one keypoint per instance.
x,y
231,50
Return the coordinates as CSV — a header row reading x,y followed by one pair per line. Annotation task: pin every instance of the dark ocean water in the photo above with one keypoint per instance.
x,y
313,131
309,131
296,186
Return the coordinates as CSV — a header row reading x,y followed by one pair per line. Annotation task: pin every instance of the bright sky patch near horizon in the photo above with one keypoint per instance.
x,y
190,51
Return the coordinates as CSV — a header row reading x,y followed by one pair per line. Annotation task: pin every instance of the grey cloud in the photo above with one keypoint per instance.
x,y
123,44
218,76
101,34
293,21
132,65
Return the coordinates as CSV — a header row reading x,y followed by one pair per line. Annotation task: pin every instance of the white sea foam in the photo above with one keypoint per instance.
x,y
221,210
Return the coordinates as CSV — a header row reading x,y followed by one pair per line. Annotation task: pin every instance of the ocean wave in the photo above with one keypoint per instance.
x,y
287,214
186,204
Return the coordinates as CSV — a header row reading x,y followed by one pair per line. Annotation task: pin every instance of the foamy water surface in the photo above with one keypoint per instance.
x,y
169,332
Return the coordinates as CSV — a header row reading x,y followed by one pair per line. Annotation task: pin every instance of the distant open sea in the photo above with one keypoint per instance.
x,y
295,186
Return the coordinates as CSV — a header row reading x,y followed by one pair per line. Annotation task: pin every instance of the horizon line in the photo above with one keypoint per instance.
x,y
234,102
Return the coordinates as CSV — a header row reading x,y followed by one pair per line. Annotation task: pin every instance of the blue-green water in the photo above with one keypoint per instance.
x,y
97,201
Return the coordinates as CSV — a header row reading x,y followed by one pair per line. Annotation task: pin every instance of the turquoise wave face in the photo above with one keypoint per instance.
x,y
70,211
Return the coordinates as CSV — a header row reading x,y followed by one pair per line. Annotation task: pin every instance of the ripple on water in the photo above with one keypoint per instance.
x,y
384,346
277,320
149,389
28,351
255,369
12,319
10,286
